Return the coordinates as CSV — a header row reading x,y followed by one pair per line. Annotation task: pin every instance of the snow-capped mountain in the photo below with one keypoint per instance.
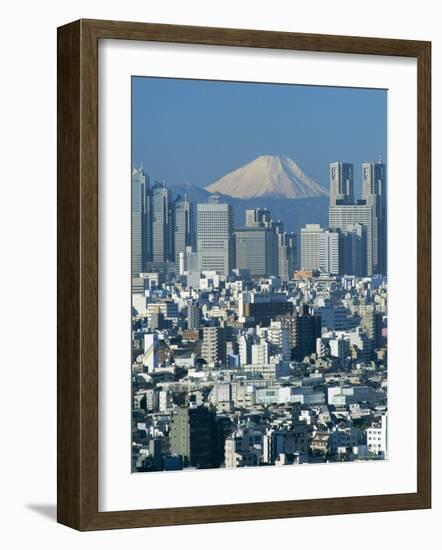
x,y
276,177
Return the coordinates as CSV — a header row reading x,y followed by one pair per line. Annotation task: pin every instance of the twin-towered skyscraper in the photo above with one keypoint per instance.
x,y
356,241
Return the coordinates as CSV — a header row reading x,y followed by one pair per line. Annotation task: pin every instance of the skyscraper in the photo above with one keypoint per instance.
x,y
310,240
355,250
162,224
343,215
258,217
183,233
331,249
307,329
138,221
374,192
215,236
286,255
256,250
341,183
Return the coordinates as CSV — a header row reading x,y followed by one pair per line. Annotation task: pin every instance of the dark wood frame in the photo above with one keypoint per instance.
x,y
77,225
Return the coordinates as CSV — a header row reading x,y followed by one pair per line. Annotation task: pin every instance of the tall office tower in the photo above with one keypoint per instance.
x,y
183,226
307,329
355,250
138,221
343,215
197,437
331,252
310,239
286,255
341,183
374,192
258,217
256,249
213,349
162,224
215,236
193,315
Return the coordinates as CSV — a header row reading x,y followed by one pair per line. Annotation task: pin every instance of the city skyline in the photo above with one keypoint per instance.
x,y
197,131
252,344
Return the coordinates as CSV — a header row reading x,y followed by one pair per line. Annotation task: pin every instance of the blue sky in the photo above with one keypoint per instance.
x,y
196,130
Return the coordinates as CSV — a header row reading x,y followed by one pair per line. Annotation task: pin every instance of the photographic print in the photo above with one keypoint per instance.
x,y
259,293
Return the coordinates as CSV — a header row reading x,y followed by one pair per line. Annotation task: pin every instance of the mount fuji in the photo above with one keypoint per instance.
x,y
271,177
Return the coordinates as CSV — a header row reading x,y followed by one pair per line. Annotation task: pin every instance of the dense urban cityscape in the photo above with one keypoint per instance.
x,y
247,351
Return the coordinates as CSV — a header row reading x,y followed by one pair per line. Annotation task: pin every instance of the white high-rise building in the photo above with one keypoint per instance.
x,y
150,358
310,242
331,252
215,236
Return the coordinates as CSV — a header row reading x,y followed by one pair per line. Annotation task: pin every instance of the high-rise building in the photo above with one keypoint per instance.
x,y
150,357
215,236
374,192
193,315
256,250
162,224
307,330
184,231
343,215
213,349
258,217
341,183
139,221
245,349
310,243
197,437
286,255
355,250
331,252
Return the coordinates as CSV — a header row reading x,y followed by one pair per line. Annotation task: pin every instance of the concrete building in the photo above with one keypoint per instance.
x,y
376,437
256,249
343,215
355,250
215,236
341,183
140,189
196,436
150,357
184,229
286,255
213,349
307,329
374,192
193,315
331,249
162,225
310,246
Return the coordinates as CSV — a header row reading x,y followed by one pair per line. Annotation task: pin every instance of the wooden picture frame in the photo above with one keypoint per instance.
x,y
78,274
